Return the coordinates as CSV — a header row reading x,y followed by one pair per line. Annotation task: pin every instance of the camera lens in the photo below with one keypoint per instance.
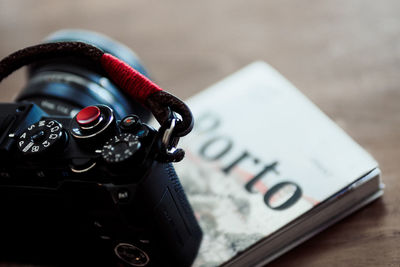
x,y
64,86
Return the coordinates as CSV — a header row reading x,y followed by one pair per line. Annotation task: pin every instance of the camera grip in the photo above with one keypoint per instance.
x,y
173,215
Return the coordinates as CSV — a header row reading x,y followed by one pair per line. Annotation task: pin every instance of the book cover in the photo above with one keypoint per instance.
x,y
260,155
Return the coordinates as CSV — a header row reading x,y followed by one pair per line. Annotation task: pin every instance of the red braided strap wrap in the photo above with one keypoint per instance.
x,y
128,79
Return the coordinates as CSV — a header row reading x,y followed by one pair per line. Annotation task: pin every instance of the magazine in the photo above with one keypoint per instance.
x,y
265,169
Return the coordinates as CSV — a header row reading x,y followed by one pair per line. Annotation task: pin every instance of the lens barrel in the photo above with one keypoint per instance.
x,y
63,86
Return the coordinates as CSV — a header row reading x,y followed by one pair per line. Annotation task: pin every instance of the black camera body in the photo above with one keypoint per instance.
x,y
90,190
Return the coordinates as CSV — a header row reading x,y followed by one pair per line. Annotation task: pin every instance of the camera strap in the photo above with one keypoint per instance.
x,y
162,104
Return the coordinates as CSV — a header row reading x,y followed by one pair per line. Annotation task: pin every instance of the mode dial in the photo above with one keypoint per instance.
x,y
41,136
120,147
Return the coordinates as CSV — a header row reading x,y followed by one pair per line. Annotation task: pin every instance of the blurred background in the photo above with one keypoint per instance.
x,y
344,55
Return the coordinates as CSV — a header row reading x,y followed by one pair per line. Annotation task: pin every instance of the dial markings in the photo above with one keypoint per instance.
x,y
120,147
40,136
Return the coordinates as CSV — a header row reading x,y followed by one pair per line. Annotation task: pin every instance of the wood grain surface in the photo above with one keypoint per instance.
x,y
343,54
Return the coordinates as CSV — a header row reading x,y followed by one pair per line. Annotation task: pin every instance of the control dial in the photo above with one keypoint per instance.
x,y
41,136
120,147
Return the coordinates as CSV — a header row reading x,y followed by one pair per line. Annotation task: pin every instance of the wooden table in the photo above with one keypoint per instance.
x,y
344,55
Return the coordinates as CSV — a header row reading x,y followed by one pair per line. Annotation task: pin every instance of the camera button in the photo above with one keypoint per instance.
x,y
131,254
88,116
93,122
130,121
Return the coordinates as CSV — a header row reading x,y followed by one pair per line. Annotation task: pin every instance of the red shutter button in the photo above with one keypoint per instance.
x,y
88,116
93,122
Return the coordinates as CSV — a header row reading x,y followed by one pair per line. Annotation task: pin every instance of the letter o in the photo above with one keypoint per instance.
x,y
224,143
289,202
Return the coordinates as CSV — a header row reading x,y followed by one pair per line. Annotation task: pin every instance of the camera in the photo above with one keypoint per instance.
x,y
84,180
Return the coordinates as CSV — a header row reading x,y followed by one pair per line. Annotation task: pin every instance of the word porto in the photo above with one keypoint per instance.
x,y
215,147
